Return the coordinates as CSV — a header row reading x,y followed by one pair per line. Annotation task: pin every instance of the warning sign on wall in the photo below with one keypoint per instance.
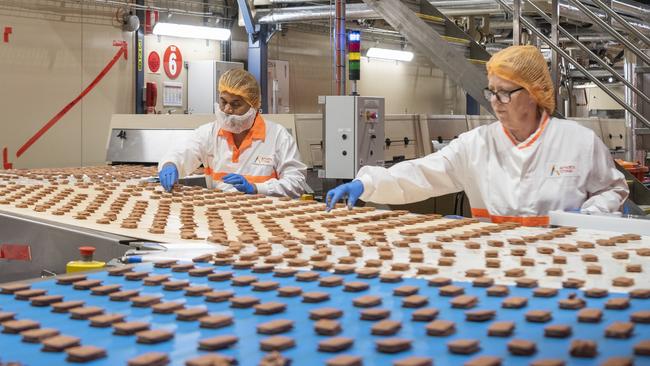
x,y
173,62
153,61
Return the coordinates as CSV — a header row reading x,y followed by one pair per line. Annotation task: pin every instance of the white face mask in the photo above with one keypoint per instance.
x,y
234,123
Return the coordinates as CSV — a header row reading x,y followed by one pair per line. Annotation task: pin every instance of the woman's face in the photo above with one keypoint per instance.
x,y
233,104
521,104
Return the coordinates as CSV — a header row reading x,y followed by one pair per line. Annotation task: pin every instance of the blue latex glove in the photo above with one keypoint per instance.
x,y
352,190
239,182
168,176
573,210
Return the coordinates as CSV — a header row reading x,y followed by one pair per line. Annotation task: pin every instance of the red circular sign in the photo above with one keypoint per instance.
x,y
172,62
153,61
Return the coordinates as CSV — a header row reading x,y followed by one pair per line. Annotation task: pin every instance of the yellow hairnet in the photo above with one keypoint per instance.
x,y
525,66
241,83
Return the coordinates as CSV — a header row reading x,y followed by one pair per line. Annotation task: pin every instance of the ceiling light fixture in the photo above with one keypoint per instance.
x,y
191,31
388,54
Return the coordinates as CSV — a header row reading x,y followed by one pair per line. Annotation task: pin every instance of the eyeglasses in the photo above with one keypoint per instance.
x,y
504,96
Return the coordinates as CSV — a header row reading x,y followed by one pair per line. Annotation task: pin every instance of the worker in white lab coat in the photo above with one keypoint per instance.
x,y
516,169
240,150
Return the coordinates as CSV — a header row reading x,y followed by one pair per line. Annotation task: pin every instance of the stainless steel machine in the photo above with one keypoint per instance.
x,y
354,130
52,245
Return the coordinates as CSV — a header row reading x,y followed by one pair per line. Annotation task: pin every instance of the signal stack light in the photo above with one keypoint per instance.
x,y
354,58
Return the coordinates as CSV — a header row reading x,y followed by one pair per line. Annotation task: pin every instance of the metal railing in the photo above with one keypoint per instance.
x,y
531,27
592,55
608,28
624,23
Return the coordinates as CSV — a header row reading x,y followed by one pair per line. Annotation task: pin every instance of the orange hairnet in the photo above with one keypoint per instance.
x,y
525,66
241,83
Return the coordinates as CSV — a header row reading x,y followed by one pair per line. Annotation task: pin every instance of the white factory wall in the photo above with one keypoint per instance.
x,y
50,60
413,87
410,87
45,65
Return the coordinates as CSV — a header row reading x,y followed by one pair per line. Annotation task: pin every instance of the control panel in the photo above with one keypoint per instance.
x,y
354,134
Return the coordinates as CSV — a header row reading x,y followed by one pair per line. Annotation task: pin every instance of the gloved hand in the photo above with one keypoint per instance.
x,y
573,210
240,183
168,176
352,190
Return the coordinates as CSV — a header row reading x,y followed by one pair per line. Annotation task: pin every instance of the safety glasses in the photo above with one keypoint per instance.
x,y
503,96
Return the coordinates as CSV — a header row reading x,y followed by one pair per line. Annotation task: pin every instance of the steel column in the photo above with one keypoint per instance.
x,y
555,60
516,22
340,45
630,99
258,36
258,62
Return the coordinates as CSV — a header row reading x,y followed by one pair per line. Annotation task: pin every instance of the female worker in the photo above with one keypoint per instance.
x,y
516,169
240,149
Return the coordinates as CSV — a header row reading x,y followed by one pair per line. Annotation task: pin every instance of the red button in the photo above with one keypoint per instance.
x,y
86,251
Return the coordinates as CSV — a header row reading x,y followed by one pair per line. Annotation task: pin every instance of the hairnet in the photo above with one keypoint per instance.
x,y
525,66
241,83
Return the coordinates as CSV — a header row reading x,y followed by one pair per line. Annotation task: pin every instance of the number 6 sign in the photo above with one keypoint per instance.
x,y
172,61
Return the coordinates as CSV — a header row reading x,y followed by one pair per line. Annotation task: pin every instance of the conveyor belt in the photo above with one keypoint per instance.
x,y
188,334
245,222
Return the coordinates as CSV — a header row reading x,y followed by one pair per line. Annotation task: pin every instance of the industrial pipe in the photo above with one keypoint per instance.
x,y
340,36
303,13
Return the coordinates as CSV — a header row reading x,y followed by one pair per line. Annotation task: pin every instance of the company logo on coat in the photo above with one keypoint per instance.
x,y
563,170
264,160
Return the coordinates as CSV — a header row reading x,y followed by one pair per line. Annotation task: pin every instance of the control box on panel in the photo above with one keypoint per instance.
x,y
354,131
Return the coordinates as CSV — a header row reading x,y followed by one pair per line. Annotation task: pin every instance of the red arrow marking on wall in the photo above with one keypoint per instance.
x,y
7,32
122,52
5,159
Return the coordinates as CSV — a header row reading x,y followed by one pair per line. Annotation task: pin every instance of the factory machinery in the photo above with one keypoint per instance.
x,y
233,278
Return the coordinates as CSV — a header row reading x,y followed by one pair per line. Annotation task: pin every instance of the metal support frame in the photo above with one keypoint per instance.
x,y
247,16
340,46
516,22
428,42
624,23
258,61
258,38
579,67
138,45
476,51
630,120
555,60
626,81
619,37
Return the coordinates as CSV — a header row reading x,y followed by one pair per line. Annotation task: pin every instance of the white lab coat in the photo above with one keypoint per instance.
x,y
562,166
268,157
